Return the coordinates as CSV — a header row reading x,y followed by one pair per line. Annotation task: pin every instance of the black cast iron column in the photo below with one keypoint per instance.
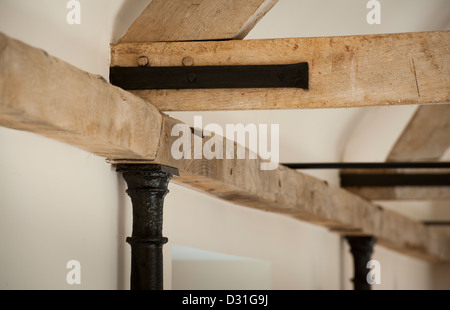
x,y
147,187
361,249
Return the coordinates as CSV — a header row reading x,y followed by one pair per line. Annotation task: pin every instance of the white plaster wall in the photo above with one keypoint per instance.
x,y
59,203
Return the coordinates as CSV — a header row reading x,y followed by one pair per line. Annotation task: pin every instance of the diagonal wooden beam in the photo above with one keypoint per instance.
x,y
349,71
193,20
65,97
41,94
426,137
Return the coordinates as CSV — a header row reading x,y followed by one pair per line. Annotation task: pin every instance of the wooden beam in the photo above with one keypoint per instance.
x,y
41,94
298,195
349,71
189,20
426,137
44,95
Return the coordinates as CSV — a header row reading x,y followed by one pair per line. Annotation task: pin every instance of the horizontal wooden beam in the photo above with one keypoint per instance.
x,y
44,95
193,20
347,71
426,137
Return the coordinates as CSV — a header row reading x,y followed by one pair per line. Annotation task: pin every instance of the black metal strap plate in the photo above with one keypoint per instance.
x,y
437,223
384,180
374,165
207,77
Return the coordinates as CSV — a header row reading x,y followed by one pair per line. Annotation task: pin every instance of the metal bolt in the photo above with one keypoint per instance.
x,y
143,61
188,61
192,77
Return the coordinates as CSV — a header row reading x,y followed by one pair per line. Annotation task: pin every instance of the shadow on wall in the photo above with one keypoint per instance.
x,y
130,11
